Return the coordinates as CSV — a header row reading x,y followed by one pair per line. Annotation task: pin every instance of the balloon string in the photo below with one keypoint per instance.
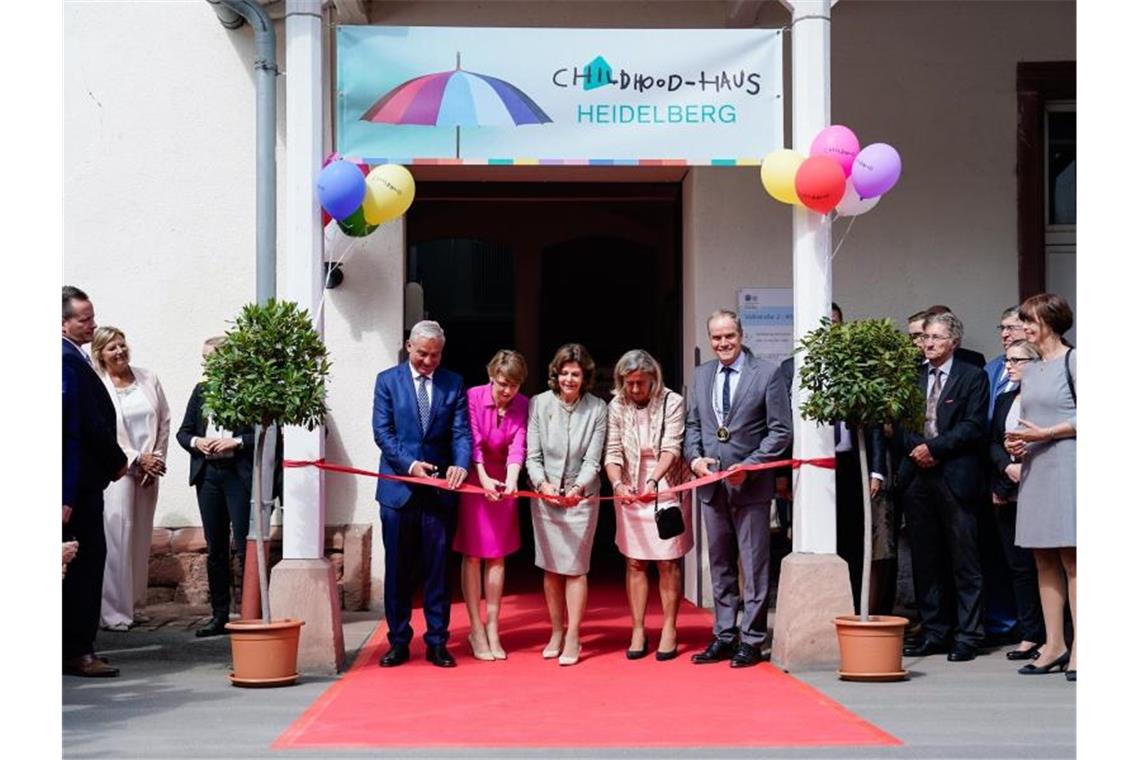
x,y
840,244
350,248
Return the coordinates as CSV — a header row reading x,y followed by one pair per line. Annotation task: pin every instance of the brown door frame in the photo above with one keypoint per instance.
x,y
1037,84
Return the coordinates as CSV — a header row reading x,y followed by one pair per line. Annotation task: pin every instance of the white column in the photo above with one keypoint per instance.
x,y
813,529
304,524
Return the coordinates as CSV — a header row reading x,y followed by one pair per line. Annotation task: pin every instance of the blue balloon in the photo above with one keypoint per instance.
x,y
340,187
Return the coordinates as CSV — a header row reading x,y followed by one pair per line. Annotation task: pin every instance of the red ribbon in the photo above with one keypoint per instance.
x,y
824,462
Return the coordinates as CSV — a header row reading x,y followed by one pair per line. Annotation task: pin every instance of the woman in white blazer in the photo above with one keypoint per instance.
x,y
143,424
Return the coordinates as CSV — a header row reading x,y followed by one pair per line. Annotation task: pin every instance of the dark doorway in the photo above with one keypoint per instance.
x,y
531,266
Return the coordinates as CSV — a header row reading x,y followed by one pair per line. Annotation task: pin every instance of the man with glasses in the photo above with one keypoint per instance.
x,y
1010,330
942,479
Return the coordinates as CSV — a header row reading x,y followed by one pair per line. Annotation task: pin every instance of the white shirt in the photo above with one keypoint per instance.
x,y
944,369
416,383
718,386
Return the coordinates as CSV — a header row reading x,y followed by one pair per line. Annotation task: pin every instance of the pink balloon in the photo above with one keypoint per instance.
x,y
837,142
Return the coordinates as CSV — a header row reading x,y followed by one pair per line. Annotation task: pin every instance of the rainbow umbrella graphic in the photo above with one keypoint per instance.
x,y
458,98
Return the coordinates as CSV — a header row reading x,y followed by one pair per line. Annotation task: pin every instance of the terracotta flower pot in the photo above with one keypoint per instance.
x,y
870,650
265,654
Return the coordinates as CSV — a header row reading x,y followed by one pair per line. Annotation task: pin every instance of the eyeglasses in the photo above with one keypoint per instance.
x,y
915,335
1017,359
1009,328
940,338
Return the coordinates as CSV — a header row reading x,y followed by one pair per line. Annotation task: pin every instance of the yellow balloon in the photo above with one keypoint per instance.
x,y
389,191
778,175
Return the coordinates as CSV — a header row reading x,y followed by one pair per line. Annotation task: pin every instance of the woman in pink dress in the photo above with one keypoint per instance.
x,y
643,456
488,524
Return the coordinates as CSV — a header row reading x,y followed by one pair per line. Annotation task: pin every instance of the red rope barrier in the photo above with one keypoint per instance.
x,y
321,464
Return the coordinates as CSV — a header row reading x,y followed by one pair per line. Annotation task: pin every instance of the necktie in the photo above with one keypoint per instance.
x,y
725,394
931,427
1003,382
422,401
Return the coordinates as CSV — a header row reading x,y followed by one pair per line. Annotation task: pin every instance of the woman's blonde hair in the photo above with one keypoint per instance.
x,y
510,364
1029,348
637,360
103,335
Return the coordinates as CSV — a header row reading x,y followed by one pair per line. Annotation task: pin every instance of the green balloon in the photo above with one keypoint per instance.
x,y
355,226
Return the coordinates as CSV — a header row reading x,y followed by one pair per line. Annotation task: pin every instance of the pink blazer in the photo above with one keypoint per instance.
x,y
148,383
481,411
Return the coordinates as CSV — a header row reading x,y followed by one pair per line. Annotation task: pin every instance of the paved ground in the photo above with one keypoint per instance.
x,y
174,700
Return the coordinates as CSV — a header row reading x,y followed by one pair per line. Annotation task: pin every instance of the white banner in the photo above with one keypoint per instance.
x,y
559,96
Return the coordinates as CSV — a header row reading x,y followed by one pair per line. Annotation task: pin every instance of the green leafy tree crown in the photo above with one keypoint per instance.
x,y
271,369
862,373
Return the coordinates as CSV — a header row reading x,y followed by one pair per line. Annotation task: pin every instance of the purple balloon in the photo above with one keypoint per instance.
x,y
876,170
340,187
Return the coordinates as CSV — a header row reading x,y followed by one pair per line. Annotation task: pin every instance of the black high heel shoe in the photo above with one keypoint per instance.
x,y
1023,654
1040,670
1071,675
637,654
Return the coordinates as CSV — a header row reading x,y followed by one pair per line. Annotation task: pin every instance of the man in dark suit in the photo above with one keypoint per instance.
x,y
942,481
738,415
221,471
960,354
91,460
419,421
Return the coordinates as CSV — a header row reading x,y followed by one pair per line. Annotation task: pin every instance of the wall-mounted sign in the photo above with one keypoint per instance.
x,y
767,318
559,96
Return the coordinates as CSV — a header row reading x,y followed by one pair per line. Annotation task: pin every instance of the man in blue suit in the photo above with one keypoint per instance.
x,y
91,460
419,421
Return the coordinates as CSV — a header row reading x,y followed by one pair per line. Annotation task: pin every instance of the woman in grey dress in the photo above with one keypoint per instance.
x,y
565,440
1047,494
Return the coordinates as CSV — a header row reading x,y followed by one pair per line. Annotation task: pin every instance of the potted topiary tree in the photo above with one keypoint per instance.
x,y
270,371
863,373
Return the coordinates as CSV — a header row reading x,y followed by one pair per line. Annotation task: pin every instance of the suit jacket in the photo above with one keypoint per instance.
x,y
970,357
759,424
402,440
1000,483
960,446
91,454
994,369
152,389
194,426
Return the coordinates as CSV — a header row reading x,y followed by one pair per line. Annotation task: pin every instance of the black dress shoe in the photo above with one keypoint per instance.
x,y
216,627
1034,669
746,656
961,653
397,655
715,652
637,654
924,648
666,656
1023,654
440,657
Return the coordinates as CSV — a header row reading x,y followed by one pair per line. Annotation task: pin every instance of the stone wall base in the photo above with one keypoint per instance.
x,y
813,590
178,565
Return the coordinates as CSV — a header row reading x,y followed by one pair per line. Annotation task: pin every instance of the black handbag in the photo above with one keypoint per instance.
x,y
670,522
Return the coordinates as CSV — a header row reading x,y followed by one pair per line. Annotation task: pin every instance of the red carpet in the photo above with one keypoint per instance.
x,y
603,701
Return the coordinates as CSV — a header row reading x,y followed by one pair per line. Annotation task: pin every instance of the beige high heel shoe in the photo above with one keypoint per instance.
x,y
480,653
495,645
552,650
570,659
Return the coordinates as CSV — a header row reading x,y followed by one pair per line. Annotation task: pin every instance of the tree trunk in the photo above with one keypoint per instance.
x,y
865,583
258,525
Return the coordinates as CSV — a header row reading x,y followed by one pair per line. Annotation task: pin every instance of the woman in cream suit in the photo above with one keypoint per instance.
x,y
143,423
565,440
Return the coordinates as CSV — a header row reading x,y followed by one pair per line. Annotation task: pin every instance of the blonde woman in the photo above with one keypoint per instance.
x,y
645,431
142,419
